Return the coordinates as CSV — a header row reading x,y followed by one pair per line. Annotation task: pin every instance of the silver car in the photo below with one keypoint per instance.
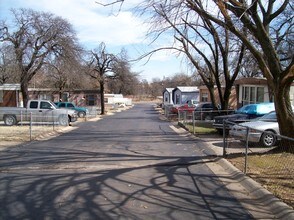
x,y
261,130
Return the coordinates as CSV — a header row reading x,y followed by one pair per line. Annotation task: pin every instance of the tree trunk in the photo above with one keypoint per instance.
x,y
24,87
25,95
102,97
285,117
212,96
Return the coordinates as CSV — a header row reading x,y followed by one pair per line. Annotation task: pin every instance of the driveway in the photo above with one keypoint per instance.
x,y
130,165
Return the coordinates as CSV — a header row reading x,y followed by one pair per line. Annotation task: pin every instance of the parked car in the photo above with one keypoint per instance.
x,y
243,114
37,111
81,111
261,130
186,107
205,111
192,102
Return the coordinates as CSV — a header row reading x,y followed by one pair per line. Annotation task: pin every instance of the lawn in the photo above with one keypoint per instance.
x,y
201,127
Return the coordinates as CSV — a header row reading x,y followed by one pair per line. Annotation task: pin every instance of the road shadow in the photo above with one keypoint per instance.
x,y
90,173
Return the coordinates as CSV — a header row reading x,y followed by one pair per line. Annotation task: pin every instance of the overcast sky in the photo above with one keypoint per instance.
x,y
95,23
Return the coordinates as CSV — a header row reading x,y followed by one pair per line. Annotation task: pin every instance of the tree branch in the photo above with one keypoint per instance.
x,y
111,3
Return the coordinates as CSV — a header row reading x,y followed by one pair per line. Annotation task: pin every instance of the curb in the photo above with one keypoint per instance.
x,y
280,209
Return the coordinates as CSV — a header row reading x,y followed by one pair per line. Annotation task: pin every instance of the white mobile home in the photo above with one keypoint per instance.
x,y
182,94
168,96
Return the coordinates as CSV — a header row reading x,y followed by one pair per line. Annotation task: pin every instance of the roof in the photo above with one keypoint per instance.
x,y
251,81
10,87
168,90
187,88
113,95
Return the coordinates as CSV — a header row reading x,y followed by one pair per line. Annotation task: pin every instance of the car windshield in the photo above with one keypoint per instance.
x,y
269,117
256,109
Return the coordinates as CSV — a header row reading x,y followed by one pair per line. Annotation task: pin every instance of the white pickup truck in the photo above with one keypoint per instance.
x,y
37,111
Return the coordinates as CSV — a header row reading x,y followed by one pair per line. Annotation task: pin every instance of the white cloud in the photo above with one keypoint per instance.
x,y
120,30
94,24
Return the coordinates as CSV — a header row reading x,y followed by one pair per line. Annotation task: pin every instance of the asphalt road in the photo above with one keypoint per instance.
x,y
130,165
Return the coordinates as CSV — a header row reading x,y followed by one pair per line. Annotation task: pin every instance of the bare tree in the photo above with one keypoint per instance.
x,y
64,71
262,20
125,80
266,30
212,50
8,73
100,68
251,69
36,38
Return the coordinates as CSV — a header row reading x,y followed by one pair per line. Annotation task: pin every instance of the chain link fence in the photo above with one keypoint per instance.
x,y
264,155
200,121
30,126
169,112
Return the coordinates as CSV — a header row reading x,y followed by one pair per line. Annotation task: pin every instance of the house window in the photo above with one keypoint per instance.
x,y
204,97
1,96
260,94
90,100
252,94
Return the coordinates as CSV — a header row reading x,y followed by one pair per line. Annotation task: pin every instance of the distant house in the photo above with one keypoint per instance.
x,y
256,90
168,96
111,99
10,96
252,90
182,94
80,97
205,96
244,91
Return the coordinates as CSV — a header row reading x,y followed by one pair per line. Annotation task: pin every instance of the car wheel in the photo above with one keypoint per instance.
x,y
268,139
82,114
10,120
63,120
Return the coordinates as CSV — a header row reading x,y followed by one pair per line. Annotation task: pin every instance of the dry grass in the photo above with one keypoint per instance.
x,y
23,133
274,171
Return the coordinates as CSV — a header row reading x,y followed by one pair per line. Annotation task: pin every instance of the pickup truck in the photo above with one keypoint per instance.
x,y
38,111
